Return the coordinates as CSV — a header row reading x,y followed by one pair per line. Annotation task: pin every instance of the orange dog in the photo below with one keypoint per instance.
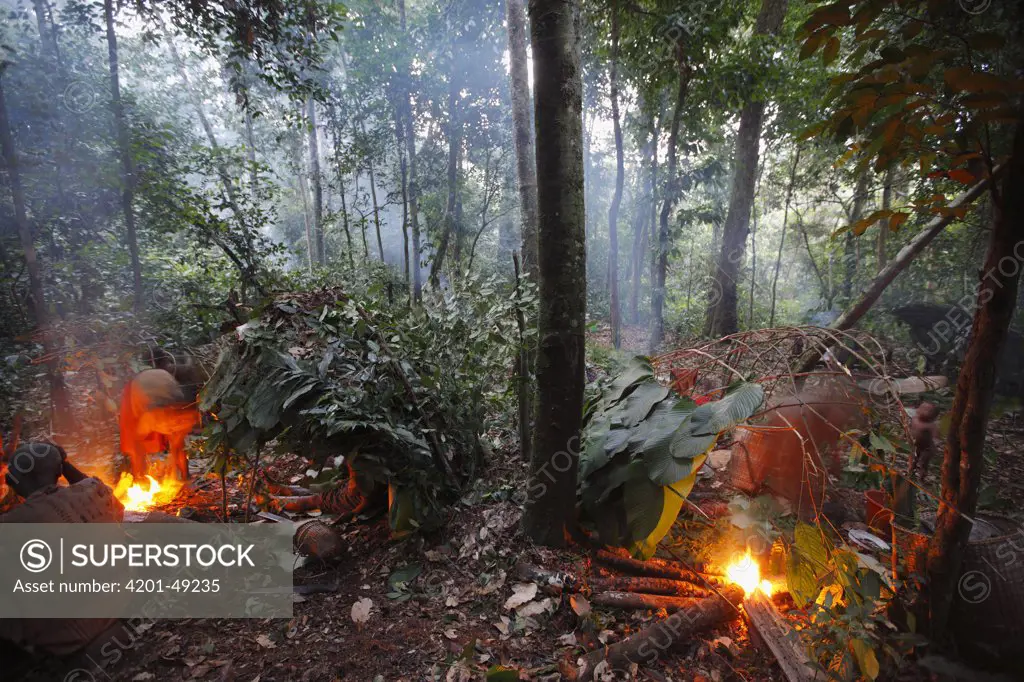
x,y
155,416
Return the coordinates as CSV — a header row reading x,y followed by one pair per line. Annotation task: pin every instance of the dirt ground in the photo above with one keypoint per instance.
x,y
449,620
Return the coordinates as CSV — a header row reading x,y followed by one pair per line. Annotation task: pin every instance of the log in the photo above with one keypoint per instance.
x,y
555,582
657,568
657,640
664,586
773,630
638,600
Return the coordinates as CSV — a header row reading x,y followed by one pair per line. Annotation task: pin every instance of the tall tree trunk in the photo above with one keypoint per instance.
x,y
860,197
753,245
660,270
558,103
63,417
410,153
405,195
884,225
522,133
362,221
965,441
647,243
339,172
613,210
782,239
250,154
723,313
454,144
127,161
636,260
314,176
373,195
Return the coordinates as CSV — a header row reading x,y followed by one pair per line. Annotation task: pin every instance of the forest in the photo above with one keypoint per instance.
x,y
548,339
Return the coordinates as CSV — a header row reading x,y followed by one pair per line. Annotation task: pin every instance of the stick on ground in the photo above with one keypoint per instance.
x,y
657,640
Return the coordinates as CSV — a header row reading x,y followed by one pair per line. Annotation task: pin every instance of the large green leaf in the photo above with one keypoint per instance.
x,y
697,433
644,544
635,408
638,370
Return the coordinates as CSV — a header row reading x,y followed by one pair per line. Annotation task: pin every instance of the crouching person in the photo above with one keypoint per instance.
x,y
32,472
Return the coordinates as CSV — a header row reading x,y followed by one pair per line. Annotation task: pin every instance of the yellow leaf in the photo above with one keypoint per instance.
x,y
866,659
675,495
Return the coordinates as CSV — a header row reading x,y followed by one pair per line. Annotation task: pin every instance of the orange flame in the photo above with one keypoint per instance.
x,y
135,497
745,572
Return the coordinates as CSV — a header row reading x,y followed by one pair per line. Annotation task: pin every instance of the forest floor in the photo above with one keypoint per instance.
x,y
447,618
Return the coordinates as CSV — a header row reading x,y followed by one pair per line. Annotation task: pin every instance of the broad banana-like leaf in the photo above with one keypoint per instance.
x,y
641,497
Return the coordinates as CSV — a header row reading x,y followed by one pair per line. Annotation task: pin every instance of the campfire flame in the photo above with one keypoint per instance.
x,y
745,572
135,497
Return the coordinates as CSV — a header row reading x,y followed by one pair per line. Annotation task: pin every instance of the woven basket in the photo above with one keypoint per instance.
x,y
988,609
318,540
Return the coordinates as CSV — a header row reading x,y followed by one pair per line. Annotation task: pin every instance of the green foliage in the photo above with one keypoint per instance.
x,y
921,85
642,450
845,594
404,394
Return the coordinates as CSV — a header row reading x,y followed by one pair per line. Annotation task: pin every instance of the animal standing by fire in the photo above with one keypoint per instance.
x,y
157,415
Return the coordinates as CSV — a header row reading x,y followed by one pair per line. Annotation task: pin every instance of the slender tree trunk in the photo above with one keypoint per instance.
x,y
63,417
860,196
246,268
304,191
722,312
373,196
782,239
362,221
405,195
250,154
339,172
822,281
884,225
660,270
558,102
647,246
127,160
410,153
965,441
454,143
613,210
636,259
314,175
753,247
522,133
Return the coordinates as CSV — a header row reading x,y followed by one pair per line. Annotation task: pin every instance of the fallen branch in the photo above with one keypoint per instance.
x,y
766,621
644,584
657,568
555,582
884,278
638,600
654,641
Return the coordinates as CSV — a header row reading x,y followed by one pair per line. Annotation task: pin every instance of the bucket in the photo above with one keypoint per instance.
x,y
878,512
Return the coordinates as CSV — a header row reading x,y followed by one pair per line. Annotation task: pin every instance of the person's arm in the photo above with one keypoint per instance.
x,y
71,473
